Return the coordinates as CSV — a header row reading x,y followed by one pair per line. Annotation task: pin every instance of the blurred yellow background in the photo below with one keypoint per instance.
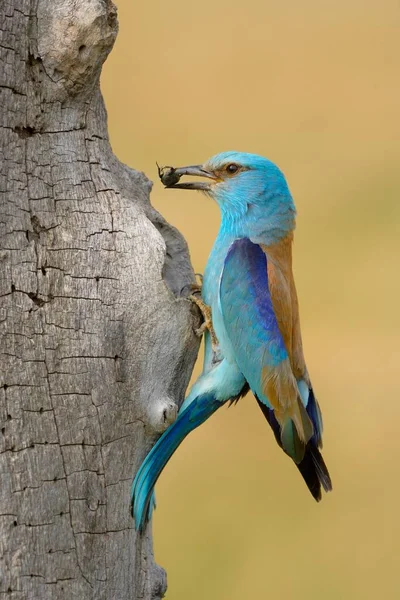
x,y
314,86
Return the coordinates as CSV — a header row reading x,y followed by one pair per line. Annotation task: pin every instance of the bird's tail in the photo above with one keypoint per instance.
x,y
312,466
314,471
191,417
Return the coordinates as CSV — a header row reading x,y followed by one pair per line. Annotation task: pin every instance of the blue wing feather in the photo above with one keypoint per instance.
x,y
258,345
252,327
248,312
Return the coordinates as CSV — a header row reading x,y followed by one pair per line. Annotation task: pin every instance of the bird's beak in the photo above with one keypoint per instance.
x,y
170,177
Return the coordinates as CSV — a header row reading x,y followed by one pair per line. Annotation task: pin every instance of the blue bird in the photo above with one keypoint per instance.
x,y
254,340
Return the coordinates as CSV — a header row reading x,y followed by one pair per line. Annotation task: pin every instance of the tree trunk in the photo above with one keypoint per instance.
x,y
97,342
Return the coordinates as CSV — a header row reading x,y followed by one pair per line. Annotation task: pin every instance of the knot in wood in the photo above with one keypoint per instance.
x,y
74,39
162,413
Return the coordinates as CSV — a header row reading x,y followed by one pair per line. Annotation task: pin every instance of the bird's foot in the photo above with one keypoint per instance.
x,y
207,317
195,288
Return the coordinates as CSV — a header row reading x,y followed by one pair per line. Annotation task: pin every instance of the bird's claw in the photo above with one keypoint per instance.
x,y
196,288
200,277
200,330
207,318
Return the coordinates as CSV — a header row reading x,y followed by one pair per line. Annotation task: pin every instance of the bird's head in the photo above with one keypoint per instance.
x,y
251,191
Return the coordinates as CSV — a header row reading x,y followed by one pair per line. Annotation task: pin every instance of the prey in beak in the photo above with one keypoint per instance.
x,y
170,177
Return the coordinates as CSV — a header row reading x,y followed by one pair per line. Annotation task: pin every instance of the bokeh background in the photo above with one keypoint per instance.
x,y
315,86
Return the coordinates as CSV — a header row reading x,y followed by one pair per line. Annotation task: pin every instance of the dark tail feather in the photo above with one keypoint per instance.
x,y
315,472
315,415
312,467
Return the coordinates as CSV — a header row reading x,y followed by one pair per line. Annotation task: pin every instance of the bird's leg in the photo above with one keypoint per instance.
x,y
207,323
207,317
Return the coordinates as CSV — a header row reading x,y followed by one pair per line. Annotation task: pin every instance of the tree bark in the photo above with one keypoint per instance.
x,y
97,342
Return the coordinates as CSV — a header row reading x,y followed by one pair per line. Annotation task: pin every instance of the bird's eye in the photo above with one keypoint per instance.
x,y
231,169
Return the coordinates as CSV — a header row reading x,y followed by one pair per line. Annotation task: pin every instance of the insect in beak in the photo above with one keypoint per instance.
x,y
170,177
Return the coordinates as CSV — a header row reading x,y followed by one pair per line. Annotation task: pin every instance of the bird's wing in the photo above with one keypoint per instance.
x,y
284,301
259,310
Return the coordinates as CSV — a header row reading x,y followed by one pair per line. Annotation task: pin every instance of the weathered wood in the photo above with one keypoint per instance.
x,y
97,342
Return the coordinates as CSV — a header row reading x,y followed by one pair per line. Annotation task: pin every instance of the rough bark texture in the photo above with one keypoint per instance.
x,y
97,342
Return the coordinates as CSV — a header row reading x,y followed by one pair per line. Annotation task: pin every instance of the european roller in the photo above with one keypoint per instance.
x,y
253,337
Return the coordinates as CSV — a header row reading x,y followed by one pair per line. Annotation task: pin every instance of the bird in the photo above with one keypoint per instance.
x,y
253,338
